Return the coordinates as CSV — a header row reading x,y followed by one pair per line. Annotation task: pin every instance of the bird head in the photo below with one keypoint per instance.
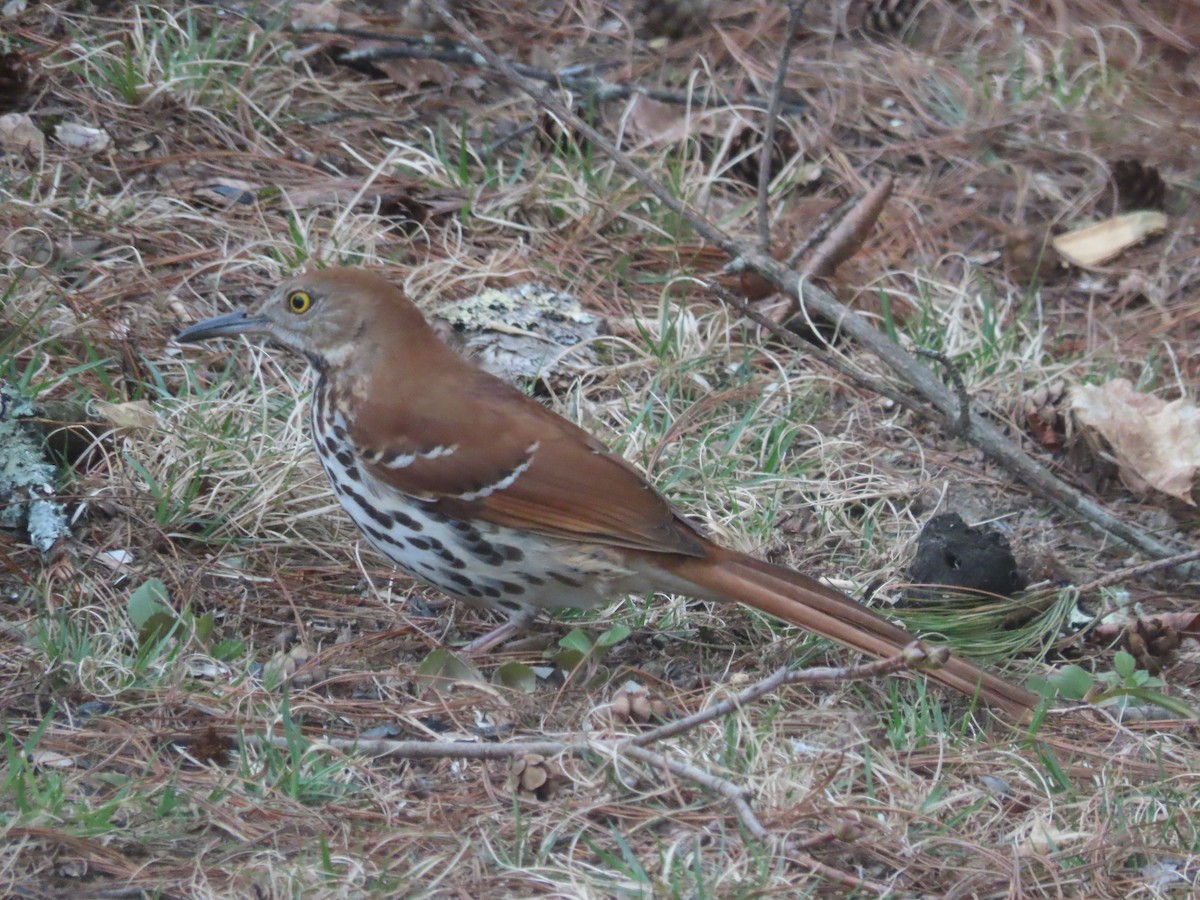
x,y
332,317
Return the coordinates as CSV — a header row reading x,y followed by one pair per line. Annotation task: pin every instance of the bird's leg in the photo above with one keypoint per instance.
x,y
500,633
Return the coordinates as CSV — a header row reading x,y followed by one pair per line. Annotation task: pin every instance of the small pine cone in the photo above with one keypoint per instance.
x,y
1138,186
15,81
635,704
676,19
888,16
750,138
1151,643
1043,408
536,775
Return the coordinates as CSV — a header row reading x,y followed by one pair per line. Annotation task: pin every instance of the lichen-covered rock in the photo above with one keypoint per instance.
x,y
27,496
525,331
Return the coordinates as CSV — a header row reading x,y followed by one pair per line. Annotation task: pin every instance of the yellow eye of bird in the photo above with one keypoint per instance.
x,y
299,301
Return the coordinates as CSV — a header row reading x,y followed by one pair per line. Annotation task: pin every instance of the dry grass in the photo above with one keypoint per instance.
x,y
126,770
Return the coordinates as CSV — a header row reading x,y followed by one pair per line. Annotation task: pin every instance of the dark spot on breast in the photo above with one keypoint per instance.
x,y
466,529
532,579
563,579
511,553
358,499
512,606
418,543
377,514
509,588
345,457
406,521
383,537
332,445
458,578
491,591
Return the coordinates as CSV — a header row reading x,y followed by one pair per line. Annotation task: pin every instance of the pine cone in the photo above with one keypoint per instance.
x,y
1151,643
676,19
1138,186
888,16
750,138
635,704
1043,408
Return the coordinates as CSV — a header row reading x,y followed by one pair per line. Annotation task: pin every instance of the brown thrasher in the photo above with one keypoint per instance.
x,y
466,483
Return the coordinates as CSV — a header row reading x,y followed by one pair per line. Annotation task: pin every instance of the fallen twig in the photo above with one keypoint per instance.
x,y
912,656
960,388
577,79
1131,572
635,748
768,147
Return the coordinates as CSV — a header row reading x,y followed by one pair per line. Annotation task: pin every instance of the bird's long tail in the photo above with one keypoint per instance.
x,y
804,601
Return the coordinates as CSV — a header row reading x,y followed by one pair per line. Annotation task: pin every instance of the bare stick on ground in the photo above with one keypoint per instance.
x,y
635,748
768,147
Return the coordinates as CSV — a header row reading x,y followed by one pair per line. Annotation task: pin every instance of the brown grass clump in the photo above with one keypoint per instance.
x,y
189,156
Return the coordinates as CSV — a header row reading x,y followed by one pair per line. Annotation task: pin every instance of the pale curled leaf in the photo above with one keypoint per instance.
x,y
1156,443
653,122
18,134
83,138
1097,244
133,415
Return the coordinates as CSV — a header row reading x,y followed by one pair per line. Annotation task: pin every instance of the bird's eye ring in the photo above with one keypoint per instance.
x,y
299,301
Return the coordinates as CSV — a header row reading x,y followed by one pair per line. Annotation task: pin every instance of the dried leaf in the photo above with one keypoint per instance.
x,y
318,15
847,238
83,138
1097,244
653,122
134,415
1156,443
18,134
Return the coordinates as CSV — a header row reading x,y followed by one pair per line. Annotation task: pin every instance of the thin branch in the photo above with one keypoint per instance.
x,y
634,747
982,433
576,79
960,427
1131,572
878,385
781,677
764,156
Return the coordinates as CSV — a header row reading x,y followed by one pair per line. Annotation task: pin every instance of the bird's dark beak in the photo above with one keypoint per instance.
x,y
240,322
